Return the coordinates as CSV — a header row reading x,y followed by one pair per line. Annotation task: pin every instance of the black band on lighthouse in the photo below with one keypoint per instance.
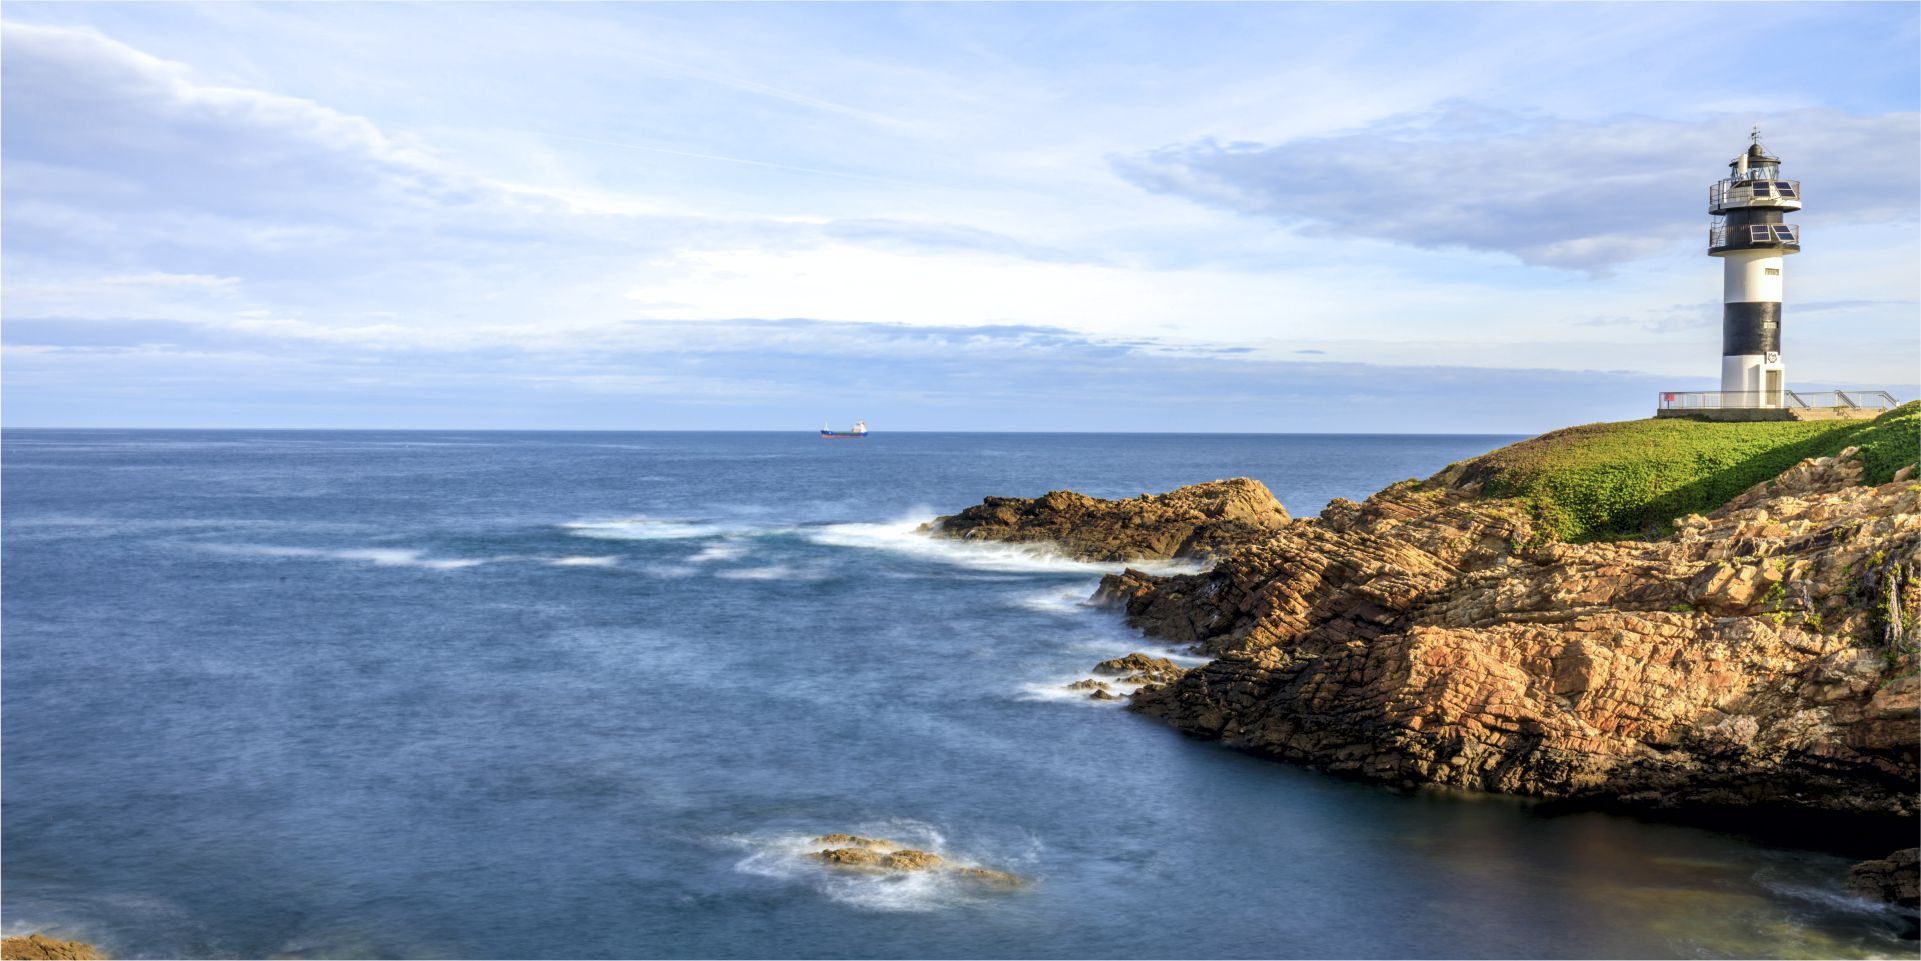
x,y
1750,328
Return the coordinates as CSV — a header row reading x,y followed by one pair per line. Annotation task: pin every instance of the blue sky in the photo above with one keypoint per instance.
x,y
1247,217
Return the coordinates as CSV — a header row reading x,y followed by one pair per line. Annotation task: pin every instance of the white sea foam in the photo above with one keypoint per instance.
x,y
723,551
904,537
1831,898
788,857
1069,603
658,529
1103,648
771,572
378,556
1057,692
670,571
603,560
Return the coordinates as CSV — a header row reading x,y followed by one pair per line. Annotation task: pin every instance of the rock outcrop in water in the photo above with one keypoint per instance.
x,y
1895,878
1191,522
39,947
1762,654
880,854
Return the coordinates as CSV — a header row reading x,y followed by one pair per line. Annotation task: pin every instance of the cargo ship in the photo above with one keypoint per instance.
x,y
858,431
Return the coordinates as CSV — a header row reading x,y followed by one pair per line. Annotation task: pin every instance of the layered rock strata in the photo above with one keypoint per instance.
x,y
1192,522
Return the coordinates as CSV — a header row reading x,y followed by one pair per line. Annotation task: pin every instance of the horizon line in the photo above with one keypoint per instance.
x,y
811,432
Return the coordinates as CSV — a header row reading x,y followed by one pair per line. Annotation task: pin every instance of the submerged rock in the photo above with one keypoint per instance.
x,y
1895,878
39,947
911,860
1195,521
903,859
882,856
990,876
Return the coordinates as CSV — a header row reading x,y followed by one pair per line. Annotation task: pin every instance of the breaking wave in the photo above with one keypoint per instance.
x,y
904,536
658,529
378,556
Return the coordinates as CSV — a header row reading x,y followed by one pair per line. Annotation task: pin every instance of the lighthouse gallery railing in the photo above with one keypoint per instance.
x,y
1719,399
1732,194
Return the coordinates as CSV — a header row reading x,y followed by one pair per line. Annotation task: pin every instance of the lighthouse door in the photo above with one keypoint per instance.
x,y
1771,388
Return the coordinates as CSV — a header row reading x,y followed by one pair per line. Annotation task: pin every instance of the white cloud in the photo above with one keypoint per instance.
x,y
1547,190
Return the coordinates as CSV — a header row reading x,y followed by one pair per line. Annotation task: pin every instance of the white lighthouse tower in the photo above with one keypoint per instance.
x,y
1753,244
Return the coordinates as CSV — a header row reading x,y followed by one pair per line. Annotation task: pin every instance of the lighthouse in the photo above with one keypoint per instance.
x,y
1753,243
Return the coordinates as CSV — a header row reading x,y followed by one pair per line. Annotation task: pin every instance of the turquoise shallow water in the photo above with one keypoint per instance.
x,y
588,695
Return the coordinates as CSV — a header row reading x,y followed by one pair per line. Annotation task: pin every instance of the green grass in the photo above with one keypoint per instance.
x,y
1631,479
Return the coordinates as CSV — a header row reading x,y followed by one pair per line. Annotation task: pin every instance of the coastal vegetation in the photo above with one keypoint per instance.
x,y
1634,478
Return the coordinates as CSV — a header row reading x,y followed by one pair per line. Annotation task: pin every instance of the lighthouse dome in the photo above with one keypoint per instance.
x,y
1755,163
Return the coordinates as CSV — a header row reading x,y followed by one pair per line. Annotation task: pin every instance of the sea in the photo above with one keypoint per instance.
x,y
592,695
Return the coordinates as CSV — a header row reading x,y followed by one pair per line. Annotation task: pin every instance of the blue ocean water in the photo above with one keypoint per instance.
x,y
589,695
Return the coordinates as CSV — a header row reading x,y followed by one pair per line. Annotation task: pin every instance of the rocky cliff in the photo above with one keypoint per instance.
x,y
1764,653
1192,522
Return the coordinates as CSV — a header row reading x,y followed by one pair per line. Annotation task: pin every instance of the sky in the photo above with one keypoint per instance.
x,y
1378,217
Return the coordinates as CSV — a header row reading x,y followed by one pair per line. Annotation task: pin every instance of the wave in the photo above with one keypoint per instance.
x,y
903,536
404,557
724,551
671,571
378,556
657,529
1068,603
1827,896
1057,692
772,572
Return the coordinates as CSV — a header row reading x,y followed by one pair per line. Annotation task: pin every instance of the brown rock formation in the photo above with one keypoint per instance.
x,y
1763,654
854,840
36,947
1419,638
880,854
1896,878
1195,521
903,859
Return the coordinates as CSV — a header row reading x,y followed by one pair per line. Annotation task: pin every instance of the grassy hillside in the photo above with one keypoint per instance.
x,y
1631,479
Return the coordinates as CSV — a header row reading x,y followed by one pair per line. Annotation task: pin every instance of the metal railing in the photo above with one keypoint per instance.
x,y
1803,399
1734,194
1754,235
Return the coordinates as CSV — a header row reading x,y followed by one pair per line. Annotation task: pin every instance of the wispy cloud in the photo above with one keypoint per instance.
x,y
1548,190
